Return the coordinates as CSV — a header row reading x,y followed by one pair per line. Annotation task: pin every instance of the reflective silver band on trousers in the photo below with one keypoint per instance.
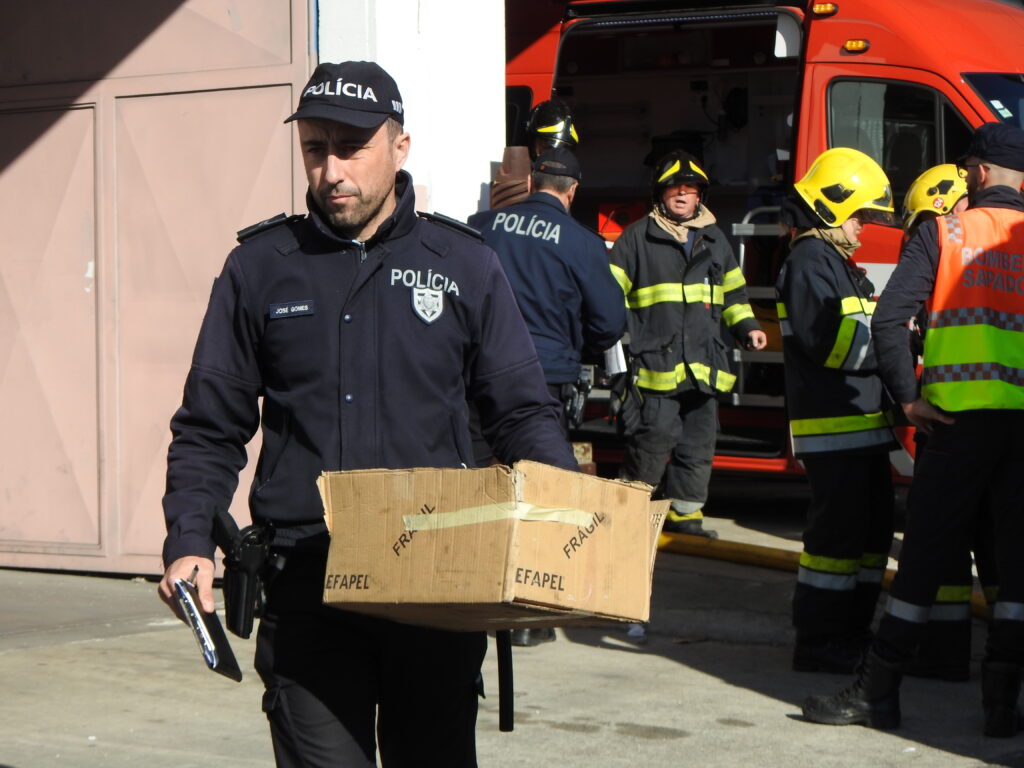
x,y
1008,611
841,440
837,582
916,614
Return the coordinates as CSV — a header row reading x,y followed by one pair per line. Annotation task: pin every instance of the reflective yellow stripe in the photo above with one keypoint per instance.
x,y
853,305
844,338
972,367
723,381
667,381
675,517
702,293
780,308
655,294
733,279
622,278
829,564
839,424
672,169
957,594
661,381
874,560
551,128
736,313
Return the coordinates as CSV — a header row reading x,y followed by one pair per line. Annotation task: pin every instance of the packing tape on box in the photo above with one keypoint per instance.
x,y
501,511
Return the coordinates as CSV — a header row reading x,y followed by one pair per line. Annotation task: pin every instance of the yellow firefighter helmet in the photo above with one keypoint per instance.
x,y
843,181
936,191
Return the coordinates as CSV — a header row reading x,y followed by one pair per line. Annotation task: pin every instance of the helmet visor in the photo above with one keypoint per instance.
x,y
875,216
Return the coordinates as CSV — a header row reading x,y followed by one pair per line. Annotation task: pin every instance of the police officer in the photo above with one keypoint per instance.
x,y
365,330
561,279
558,270
681,282
838,425
969,267
550,126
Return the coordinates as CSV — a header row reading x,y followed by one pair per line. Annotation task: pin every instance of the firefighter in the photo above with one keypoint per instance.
x,y
936,192
971,405
945,650
839,427
549,126
681,282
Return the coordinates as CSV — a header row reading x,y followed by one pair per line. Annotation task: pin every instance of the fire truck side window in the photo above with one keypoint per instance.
x,y
517,111
906,128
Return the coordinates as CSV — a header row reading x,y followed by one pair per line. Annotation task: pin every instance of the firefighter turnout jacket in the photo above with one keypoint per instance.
x,y
364,355
678,295
833,392
559,274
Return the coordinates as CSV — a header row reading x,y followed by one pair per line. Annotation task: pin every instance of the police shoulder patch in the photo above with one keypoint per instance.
x,y
264,226
450,223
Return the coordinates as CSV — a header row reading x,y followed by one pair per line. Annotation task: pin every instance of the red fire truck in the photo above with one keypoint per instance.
x,y
758,90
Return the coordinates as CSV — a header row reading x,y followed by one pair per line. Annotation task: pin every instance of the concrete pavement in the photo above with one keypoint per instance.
x,y
95,672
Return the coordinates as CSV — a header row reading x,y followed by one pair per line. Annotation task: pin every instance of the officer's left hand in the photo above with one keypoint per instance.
x,y
756,340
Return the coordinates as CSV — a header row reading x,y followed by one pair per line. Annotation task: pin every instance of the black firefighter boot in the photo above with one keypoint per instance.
x,y
1000,688
873,699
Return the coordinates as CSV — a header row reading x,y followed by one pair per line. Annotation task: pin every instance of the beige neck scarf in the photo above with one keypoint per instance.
x,y
843,243
678,229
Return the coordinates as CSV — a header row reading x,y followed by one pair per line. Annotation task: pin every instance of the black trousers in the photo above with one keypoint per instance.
x,y
680,430
980,456
846,543
947,640
339,685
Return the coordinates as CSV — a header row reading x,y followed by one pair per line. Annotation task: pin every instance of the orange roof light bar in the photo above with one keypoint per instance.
x,y
856,46
825,9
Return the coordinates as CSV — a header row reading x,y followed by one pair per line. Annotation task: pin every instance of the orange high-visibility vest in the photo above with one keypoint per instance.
x,y
974,346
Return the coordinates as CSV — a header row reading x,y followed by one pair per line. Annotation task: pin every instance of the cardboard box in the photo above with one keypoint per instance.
x,y
493,548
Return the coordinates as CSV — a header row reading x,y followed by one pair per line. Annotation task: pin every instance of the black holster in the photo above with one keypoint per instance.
x,y
245,557
574,398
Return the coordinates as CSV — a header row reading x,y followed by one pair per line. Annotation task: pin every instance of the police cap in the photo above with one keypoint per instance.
x,y
558,162
1001,144
358,93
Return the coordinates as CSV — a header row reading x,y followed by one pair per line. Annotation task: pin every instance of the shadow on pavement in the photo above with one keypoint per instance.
x,y
732,622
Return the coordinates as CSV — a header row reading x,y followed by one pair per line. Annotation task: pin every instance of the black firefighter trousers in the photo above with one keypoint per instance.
x,y
846,544
980,455
338,684
681,430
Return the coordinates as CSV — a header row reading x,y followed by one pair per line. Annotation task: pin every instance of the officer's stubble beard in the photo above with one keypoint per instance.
x,y
350,223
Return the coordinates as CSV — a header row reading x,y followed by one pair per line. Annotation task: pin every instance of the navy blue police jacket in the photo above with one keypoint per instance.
x,y
561,279
364,355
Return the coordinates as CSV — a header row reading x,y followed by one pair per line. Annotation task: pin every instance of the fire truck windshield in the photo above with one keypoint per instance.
x,y
1004,94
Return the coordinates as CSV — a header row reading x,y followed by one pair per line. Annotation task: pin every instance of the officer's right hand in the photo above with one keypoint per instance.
x,y
925,416
182,568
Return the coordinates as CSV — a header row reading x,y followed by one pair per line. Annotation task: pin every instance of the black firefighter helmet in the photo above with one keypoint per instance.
x,y
550,126
678,167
